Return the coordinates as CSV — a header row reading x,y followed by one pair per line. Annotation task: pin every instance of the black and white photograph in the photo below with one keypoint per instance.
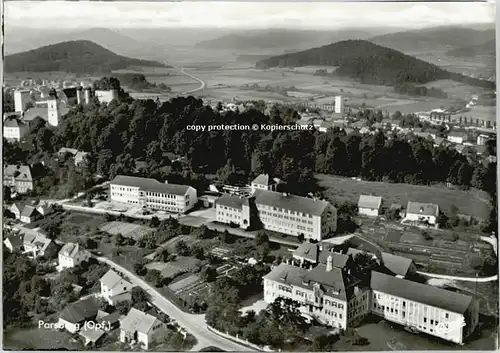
x,y
249,176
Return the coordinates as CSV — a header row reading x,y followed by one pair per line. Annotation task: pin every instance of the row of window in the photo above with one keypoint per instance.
x,y
333,313
334,304
231,209
278,215
285,289
282,210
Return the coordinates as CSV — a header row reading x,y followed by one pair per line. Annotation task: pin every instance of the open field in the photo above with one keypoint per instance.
x,y
473,202
128,230
482,113
457,90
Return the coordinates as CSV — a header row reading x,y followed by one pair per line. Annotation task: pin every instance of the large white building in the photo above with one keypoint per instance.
x,y
295,215
150,193
326,286
280,212
449,315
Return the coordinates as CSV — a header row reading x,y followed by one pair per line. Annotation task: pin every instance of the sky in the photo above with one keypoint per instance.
x,y
201,14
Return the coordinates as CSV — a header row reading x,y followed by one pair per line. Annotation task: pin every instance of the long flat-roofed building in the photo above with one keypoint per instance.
x,y
150,193
295,215
435,311
280,212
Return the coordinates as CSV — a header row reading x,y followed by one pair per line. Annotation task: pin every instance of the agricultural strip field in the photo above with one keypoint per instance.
x,y
473,202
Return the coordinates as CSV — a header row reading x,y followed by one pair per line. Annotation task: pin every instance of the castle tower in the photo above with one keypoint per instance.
x,y
21,99
53,110
87,95
79,95
339,105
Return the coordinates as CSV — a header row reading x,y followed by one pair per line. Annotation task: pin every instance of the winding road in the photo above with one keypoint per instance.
x,y
193,323
202,83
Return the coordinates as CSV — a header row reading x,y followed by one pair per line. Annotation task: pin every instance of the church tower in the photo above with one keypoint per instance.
x,y
53,109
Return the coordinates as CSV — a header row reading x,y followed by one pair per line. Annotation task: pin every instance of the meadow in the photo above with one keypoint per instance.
x,y
470,202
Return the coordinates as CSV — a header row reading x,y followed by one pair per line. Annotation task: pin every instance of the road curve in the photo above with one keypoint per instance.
x,y
202,83
194,323
458,278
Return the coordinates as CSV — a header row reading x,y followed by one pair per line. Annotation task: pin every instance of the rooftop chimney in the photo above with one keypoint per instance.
x,y
329,264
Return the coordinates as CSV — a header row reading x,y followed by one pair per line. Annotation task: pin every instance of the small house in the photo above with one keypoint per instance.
x,y
369,205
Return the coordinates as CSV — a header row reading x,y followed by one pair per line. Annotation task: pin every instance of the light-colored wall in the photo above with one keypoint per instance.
x,y
420,316
154,200
420,218
371,212
106,96
70,327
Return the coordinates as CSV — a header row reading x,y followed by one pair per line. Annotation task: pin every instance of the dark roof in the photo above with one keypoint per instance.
x,y
12,122
151,185
421,293
232,201
15,240
80,310
290,202
29,211
396,264
32,113
334,282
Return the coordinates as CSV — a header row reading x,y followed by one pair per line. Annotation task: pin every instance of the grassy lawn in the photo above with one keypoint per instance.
x,y
472,202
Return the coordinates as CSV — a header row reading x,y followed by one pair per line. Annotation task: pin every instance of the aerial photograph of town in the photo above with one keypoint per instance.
x,y
249,176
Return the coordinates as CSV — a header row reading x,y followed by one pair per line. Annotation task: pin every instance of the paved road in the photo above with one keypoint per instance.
x,y
458,278
193,323
202,83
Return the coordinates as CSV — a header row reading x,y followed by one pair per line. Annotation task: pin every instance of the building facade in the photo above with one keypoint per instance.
x,y
369,205
422,212
295,215
21,100
71,255
14,129
435,311
150,193
19,178
114,288
141,328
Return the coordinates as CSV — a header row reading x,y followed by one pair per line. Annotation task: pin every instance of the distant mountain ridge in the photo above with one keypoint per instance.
x,y
369,63
488,48
280,40
79,56
434,38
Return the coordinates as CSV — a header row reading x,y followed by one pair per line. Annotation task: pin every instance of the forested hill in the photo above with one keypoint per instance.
x,y
470,51
369,63
79,56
